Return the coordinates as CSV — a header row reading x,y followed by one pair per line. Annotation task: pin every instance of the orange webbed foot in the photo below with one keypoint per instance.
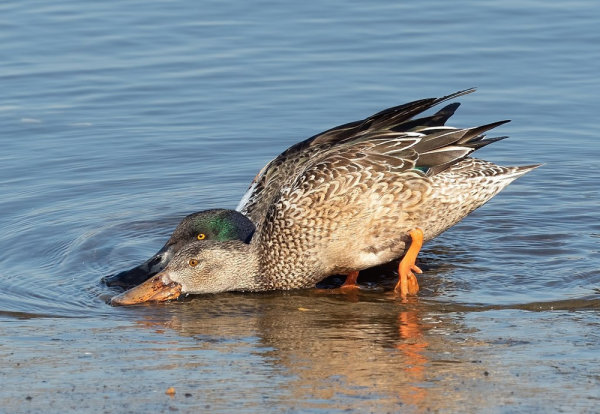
x,y
407,283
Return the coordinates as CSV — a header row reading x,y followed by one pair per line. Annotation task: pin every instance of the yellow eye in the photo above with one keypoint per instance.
x,y
193,262
201,236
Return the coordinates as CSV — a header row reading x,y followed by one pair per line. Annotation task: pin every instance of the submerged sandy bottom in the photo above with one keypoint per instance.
x,y
304,352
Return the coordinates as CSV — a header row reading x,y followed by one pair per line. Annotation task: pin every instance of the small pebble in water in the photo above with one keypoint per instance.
x,y
170,391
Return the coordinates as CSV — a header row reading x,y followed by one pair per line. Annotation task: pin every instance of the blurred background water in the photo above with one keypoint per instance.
x,y
117,119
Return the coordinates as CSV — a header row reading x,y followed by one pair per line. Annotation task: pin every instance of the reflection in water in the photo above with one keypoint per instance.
x,y
368,348
328,349
413,345
305,350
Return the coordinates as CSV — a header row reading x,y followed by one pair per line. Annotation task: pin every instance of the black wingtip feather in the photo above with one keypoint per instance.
x,y
436,120
475,134
480,144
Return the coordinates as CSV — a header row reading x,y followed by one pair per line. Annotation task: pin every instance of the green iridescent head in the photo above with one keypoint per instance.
x,y
217,225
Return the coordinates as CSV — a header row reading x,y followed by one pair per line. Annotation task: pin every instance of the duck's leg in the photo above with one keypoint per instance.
x,y
407,283
350,283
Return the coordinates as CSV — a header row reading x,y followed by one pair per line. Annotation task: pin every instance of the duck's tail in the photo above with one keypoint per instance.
x,y
466,186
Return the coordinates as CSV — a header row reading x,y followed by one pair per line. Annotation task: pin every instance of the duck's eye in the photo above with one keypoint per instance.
x,y
193,262
201,236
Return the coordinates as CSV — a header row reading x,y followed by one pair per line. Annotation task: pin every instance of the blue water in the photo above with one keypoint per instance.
x,y
117,119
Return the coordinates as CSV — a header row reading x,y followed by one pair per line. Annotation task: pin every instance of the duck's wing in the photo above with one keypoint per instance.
x,y
354,166
287,165
314,216
268,181
348,206
398,118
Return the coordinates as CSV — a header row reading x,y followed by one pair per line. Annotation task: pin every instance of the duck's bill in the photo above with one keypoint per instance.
x,y
158,289
139,274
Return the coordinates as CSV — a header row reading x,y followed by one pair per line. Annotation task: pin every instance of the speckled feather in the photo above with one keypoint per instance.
x,y
346,200
288,165
353,207
222,225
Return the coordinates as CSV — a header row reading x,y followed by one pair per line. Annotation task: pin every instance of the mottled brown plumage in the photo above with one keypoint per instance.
x,y
268,183
354,206
350,203
290,163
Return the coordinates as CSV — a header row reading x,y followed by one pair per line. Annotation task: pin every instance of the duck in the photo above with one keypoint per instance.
x,y
356,196
223,225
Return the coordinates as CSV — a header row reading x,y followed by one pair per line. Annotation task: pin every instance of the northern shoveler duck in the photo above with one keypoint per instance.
x,y
356,196
221,225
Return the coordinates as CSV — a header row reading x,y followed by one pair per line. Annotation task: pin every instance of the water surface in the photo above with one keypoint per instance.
x,y
118,119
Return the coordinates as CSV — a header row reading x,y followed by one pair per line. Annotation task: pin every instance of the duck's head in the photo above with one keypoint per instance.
x,y
199,267
204,226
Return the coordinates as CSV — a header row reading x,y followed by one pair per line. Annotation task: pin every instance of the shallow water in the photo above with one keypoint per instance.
x,y
118,119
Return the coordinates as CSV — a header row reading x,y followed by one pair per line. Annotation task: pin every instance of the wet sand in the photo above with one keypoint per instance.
x,y
305,352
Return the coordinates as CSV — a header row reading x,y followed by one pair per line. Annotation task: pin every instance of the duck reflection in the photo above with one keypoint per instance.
x,y
369,346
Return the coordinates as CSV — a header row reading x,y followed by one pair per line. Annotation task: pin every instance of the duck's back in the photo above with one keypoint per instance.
x,y
352,207
289,164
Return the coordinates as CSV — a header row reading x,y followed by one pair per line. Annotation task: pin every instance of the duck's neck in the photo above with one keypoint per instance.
x,y
242,268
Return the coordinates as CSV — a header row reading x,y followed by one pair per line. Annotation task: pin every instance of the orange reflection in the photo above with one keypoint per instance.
x,y
413,345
